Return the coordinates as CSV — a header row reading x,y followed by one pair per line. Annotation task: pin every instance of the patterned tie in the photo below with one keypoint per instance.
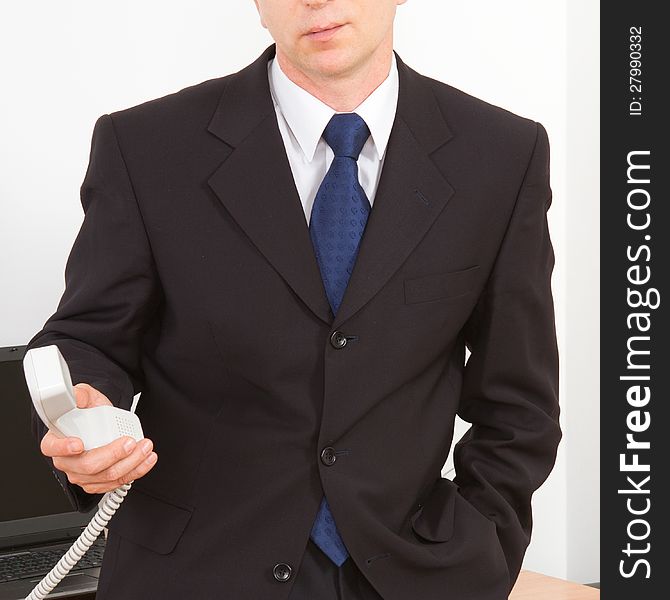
x,y
337,222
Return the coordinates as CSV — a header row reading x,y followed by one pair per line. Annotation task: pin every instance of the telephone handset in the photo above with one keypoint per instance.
x,y
50,387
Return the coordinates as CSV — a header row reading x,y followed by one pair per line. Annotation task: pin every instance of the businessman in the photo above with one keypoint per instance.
x,y
289,262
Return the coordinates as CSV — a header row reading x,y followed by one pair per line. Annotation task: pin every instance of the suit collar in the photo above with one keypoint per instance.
x,y
255,184
307,116
246,101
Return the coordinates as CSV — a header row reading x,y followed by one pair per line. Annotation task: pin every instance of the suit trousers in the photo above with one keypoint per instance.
x,y
319,578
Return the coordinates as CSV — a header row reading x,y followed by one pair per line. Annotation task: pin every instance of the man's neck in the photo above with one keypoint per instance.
x,y
342,93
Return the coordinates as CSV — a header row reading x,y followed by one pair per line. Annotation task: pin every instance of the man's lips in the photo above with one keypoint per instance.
x,y
323,33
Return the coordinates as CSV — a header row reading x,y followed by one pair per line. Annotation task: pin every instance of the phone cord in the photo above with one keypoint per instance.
x,y
107,507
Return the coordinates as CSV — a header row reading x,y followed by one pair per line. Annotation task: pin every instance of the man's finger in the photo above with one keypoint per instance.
x,y
87,396
98,459
52,446
119,470
141,470
81,395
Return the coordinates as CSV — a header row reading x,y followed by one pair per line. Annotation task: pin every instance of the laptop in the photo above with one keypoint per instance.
x,y
37,523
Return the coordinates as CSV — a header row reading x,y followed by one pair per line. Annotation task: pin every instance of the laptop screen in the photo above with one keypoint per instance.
x,y
32,500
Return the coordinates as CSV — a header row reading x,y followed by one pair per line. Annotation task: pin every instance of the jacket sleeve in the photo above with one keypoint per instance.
x,y
510,381
111,290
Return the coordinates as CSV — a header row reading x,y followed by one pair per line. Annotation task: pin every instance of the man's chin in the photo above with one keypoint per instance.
x,y
331,62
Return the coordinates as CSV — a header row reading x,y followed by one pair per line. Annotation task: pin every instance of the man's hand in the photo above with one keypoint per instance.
x,y
101,469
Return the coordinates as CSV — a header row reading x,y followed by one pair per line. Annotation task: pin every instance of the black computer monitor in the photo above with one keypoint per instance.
x,y
33,506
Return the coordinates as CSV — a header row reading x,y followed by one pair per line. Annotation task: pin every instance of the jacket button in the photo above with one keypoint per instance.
x,y
282,572
328,457
338,340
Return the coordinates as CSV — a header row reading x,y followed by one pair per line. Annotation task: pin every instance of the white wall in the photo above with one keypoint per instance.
x,y
66,63
582,358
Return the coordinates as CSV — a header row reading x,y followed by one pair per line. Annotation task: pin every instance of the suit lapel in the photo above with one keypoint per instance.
x,y
410,196
255,184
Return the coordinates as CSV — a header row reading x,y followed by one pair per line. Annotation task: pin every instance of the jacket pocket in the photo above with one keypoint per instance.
x,y
444,508
150,522
434,521
441,285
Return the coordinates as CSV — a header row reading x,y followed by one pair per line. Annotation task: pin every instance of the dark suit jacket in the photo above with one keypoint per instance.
x,y
193,280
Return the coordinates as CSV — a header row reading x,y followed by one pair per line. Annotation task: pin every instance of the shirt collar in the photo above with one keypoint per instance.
x,y
307,116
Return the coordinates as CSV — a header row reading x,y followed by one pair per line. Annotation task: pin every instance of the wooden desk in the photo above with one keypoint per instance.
x,y
534,586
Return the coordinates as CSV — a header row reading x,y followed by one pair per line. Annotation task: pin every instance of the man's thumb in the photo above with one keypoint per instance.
x,y
87,396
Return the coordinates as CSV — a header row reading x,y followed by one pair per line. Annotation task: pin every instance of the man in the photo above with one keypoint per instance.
x,y
288,263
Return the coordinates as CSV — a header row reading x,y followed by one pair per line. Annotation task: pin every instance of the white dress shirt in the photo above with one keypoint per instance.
x,y
302,118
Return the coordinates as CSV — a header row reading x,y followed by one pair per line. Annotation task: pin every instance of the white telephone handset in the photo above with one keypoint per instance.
x,y
50,386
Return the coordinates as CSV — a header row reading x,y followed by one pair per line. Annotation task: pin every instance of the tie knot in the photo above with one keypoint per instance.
x,y
346,134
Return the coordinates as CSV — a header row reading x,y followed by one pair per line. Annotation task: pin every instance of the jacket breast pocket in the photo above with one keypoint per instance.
x,y
439,286
150,522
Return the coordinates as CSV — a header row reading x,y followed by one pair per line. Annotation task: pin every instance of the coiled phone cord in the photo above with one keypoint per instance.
x,y
108,506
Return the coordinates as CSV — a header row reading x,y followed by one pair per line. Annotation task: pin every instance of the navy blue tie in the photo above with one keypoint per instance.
x,y
336,226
